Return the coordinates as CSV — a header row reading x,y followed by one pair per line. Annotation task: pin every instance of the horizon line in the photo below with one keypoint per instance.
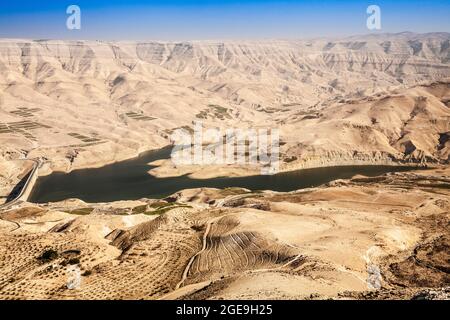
x,y
370,34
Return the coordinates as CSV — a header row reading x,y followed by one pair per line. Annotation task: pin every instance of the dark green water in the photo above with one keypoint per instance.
x,y
129,180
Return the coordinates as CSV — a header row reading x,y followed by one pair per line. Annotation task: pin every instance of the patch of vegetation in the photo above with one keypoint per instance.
x,y
198,227
72,251
202,115
231,191
220,112
290,159
87,273
166,208
71,257
73,261
186,128
81,211
157,211
48,255
139,209
159,207
161,204
217,111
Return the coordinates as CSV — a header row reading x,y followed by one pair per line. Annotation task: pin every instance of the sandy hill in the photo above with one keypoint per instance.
x,y
371,238
86,103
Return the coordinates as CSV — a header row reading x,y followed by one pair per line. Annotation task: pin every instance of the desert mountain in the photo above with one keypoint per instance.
x,y
365,98
377,99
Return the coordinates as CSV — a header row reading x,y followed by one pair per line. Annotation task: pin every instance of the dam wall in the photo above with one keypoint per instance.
x,y
29,184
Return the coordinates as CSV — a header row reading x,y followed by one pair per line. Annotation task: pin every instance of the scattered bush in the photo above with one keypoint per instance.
x,y
197,227
48,255
73,261
139,209
87,273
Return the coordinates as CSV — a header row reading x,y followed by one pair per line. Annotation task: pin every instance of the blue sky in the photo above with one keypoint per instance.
x,y
226,19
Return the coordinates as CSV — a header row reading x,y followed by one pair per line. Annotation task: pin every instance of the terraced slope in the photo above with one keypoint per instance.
x,y
370,238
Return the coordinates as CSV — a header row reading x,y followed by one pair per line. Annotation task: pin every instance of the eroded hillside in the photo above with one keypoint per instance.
x,y
87,103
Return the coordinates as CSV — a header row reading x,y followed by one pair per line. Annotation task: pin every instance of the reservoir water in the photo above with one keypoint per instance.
x,y
130,180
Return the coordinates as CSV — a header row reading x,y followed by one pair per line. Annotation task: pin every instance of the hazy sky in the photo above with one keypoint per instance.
x,y
207,19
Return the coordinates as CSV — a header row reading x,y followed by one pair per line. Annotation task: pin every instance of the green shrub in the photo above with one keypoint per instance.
x,y
139,209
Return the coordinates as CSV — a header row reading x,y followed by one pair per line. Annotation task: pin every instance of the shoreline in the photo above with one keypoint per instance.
x,y
284,181
48,170
235,171
302,164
